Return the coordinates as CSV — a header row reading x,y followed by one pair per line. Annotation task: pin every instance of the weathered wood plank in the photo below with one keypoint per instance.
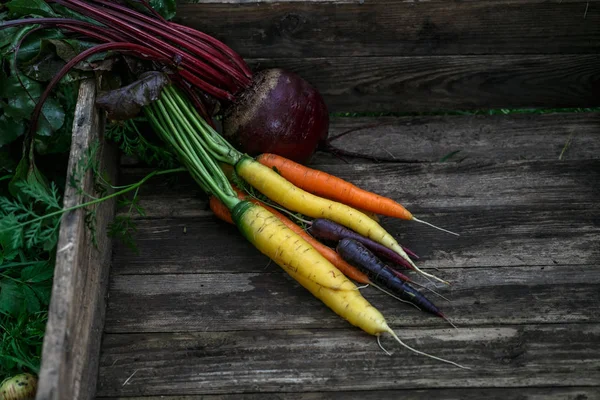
x,y
343,360
424,188
500,138
213,302
76,317
419,84
398,28
527,238
496,138
521,393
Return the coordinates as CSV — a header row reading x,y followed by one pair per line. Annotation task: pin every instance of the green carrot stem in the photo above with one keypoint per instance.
x,y
198,144
96,201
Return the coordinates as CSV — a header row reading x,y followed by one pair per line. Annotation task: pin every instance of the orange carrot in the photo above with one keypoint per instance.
x,y
333,188
351,272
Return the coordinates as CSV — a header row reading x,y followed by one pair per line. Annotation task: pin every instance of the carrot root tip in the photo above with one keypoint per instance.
x,y
391,332
436,227
381,346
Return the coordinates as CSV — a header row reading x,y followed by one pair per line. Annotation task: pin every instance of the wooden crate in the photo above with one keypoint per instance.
x,y
190,317
69,367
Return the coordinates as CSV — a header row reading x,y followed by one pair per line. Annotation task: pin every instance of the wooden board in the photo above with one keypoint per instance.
x,y
420,83
301,29
71,347
581,393
222,320
327,360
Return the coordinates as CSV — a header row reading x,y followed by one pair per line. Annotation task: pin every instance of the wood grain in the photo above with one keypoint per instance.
x,y
479,296
421,83
581,393
522,393
461,138
499,138
398,28
276,361
423,188
76,317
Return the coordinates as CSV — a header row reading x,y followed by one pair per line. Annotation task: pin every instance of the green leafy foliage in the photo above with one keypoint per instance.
x,y
128,135
27,246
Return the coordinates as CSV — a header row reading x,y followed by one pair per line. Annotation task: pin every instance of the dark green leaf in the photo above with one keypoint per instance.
x,y
10,130
11,298
53,117
126,102
43,291
20,8
20,105
32,44
11,237
31,301
38,272
166,8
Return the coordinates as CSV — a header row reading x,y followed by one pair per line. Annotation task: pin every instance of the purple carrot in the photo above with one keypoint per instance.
x,y
358,255
324,229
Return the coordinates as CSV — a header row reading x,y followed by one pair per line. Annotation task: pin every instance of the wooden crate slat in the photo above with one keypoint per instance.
x,y
76,316
421,84
302,29
424,188
213,363
270,300
488,240
541,393
498,138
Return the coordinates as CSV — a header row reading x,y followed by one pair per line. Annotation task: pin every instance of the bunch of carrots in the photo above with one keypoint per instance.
x,y
341,213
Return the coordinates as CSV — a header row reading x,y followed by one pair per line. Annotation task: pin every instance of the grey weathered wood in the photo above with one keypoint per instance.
x,y
543,393
424,188
421,83
302,29
496,138
499,138
76,316
263,300
331,360
527,238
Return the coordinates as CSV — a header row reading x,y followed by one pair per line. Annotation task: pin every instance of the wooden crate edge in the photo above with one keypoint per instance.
x,y
71,346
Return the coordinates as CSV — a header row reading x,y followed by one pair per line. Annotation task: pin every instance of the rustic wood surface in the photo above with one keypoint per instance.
x,y
70,354
420,56
198,313
422,83
301,29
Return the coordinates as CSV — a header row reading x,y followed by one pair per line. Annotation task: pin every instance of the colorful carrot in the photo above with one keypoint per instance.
x,y
359,255
283,192
324,229
174,119
222,212
331,187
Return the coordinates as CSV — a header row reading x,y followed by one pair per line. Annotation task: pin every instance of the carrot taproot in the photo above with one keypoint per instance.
x,y
222,212
354,308
331,187
283,192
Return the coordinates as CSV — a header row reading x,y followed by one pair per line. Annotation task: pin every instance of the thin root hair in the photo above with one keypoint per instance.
x,y
381,346
391,332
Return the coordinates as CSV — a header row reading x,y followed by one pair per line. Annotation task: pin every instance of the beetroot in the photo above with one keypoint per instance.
x,y
279,113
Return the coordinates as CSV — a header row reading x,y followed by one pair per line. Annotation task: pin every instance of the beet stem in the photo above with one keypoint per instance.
x,y
139,35
190,43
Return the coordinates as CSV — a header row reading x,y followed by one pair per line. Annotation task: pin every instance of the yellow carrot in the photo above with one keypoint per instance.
x,y
288,249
